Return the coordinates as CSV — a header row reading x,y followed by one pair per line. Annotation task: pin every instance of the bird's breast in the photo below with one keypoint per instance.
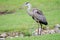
x,y
30,13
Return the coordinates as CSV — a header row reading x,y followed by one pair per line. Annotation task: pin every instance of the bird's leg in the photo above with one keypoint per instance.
x,y
38,27
41,30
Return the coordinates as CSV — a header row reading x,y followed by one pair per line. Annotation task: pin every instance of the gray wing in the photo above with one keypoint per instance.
x,y
37,11
39,16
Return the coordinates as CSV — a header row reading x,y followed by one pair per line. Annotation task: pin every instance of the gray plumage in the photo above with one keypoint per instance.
x,y
36,14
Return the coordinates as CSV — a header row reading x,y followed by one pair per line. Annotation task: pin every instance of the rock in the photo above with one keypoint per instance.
x,y
21,35
2,38
3,35
13,34
45,32
57,30
36,33
57,25
52,31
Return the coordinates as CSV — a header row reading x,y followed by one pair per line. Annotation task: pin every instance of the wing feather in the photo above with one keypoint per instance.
x,y
39,15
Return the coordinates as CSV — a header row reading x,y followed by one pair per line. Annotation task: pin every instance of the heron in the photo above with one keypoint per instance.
x,y
36,15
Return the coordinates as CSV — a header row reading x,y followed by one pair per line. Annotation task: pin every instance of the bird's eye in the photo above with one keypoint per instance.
x,y
26,3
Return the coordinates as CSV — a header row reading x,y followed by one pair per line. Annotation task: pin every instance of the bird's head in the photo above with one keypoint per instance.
x,y
27,4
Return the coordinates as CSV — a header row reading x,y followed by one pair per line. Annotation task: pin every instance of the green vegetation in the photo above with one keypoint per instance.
x,y
21,21
43,37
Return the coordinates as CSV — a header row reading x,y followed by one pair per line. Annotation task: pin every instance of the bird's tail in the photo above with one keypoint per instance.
x,y
45,23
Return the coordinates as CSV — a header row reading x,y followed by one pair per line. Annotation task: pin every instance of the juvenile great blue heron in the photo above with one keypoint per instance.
x,y
37,15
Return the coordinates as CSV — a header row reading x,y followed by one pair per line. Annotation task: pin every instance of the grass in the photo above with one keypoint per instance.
x,y
21,21
43,37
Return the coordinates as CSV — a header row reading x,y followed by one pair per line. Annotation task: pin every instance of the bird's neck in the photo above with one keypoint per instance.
x,y
29,8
